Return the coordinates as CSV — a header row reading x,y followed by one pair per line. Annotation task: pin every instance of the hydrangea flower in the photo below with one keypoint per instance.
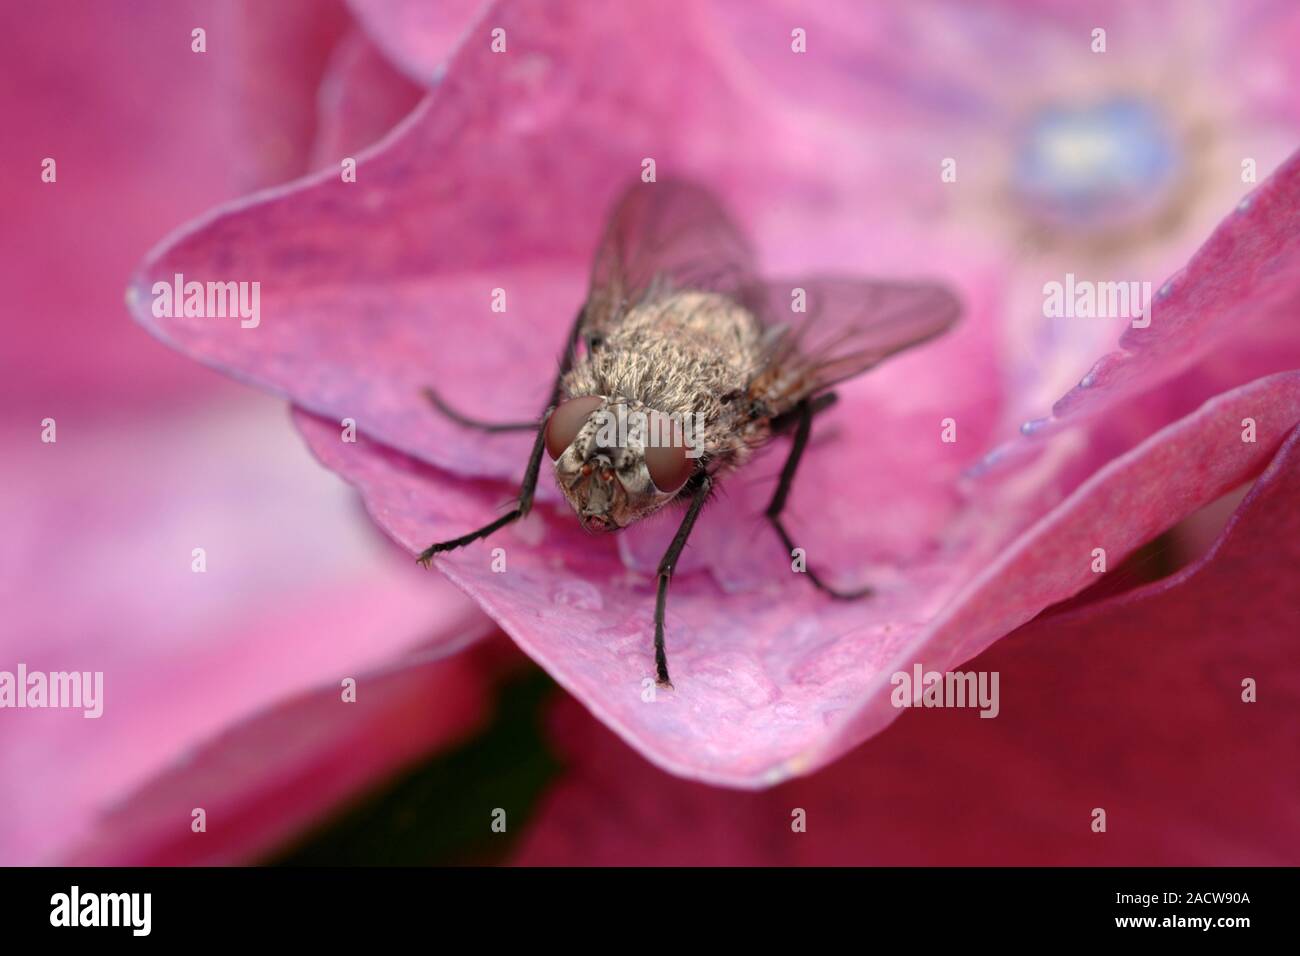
x,y
834,160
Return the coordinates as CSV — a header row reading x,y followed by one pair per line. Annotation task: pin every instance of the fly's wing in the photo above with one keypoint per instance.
x,y
846,327
662,237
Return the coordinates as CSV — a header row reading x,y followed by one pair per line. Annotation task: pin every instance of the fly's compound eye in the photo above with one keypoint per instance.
x,y
668,466
565,422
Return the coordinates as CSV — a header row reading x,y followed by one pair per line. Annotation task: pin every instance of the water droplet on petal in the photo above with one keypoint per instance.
x,y
578,594
986,463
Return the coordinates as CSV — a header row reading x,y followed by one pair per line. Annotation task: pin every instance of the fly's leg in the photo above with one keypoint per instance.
x,y
803,416
525,503
436,401
666,566
784,422
528,488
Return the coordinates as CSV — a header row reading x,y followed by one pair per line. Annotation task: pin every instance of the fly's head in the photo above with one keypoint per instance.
x,y
616,460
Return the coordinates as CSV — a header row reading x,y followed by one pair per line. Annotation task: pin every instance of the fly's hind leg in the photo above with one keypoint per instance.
x,y
801,416
528,488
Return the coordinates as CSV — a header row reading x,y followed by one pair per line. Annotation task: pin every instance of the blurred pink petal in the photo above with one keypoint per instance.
x,y
1244,279
418,36
262,780
310,87
1222,321
96,569
1196,91
68,341
361,98
1133,706
281,53
152,460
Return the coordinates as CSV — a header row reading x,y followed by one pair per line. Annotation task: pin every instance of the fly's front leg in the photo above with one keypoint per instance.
x,y
666,566
528,488
525,503
803,416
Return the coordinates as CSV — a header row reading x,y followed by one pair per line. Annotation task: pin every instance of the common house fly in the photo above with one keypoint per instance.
x,y
677,328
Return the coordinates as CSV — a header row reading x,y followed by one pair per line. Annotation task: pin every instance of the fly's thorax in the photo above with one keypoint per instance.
x,y
608,471
681,354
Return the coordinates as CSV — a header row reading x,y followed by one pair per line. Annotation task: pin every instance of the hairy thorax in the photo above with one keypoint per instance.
x,y
686,354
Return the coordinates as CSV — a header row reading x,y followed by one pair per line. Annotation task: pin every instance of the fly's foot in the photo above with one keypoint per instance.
x,y
425,557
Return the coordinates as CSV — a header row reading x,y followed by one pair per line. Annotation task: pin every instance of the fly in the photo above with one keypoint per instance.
x,y
682,364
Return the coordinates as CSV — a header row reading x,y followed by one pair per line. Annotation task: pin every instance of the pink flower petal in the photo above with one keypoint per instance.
x,y
778,682
96,560
1238,292
360,99
279,53
933,79
151,459
419,37
66,342
262,780
1133,706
